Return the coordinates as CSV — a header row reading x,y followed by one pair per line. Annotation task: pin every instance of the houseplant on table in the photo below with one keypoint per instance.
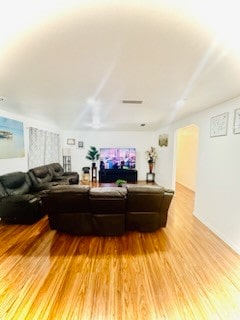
x,y
93,155
120,182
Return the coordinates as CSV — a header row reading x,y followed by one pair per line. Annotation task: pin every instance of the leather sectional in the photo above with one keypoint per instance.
x,y
20,199
106,211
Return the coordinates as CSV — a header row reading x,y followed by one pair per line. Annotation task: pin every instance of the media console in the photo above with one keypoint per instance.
x,y
112,175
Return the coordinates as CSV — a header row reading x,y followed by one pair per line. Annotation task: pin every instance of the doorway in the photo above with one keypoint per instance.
x,y
186,156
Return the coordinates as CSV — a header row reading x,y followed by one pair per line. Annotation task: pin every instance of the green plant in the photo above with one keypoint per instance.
x,y
120,182
93,154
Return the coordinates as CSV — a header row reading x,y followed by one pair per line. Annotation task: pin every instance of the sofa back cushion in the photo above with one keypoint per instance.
x,y
41,175
15,183
56,169
144,198
65,199
108,201
108,192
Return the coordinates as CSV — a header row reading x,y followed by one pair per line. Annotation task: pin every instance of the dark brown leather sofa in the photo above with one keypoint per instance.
x,y
46,176
20,193
18,204
107,211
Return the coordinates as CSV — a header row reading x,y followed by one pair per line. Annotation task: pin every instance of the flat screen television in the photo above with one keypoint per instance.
x,y
117,158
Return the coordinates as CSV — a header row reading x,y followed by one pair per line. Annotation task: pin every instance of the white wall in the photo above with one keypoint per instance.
x,y
218,174
142,141
21,164
186,156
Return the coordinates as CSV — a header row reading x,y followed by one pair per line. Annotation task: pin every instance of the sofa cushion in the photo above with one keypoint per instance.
x,y
16,183
57,170
18,199
144,198
41,174
144,189
63,189
109,192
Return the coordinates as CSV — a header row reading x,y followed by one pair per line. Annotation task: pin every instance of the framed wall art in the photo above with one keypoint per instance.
x,y
80,144
219,125
71,142
163,140
11,138
236,122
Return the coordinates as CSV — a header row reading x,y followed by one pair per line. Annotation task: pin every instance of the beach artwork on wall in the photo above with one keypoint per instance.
x,y
11,138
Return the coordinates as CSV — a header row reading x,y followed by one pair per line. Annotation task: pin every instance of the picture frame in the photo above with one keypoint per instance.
x,y
71,142
80,144
163,140
11,138
236,121
219,125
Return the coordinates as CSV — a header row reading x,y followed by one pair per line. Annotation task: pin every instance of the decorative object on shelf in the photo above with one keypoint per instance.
x,y
120,182
94,172
93,155
66,152
86,174
163,140
151,157
71,142
219,125
236,123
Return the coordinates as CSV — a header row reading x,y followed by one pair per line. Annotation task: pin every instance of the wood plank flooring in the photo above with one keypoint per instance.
x,y
181,272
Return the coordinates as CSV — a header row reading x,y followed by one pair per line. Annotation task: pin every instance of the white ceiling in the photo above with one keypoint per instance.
x,y
73,62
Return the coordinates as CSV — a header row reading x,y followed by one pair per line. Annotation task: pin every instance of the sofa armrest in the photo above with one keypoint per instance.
x,y
167,198
73,173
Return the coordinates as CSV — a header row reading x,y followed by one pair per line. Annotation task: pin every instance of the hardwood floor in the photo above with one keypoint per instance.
x,y
181,272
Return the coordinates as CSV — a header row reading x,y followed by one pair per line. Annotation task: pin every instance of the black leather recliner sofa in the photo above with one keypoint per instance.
x,y
17,203
50,175
20,193
107,211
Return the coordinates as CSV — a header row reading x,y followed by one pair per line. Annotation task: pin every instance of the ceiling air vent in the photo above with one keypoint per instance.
x,y
132,101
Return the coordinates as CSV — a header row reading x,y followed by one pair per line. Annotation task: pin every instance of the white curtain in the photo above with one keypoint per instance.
x,y
44,147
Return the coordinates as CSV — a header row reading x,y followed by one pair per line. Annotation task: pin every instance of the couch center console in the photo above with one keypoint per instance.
x,y
111,175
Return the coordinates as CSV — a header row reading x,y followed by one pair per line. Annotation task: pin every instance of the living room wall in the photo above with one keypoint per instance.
x,y
21,164
218,174
142,141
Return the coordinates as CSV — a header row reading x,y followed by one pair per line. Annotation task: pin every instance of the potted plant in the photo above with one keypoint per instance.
x,y
93,155
120,182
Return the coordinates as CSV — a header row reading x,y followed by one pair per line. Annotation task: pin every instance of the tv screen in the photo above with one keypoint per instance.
x,y
117,158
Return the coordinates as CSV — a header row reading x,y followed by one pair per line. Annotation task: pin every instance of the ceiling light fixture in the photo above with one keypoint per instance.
x,y
143,124
133,101
1,99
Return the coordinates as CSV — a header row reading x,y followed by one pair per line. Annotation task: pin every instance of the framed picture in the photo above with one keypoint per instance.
x,y
163,140
71,141
80,144
219,125
236,123
11,138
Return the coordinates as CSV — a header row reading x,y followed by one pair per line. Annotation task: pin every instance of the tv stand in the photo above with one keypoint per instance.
x,y
112,175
